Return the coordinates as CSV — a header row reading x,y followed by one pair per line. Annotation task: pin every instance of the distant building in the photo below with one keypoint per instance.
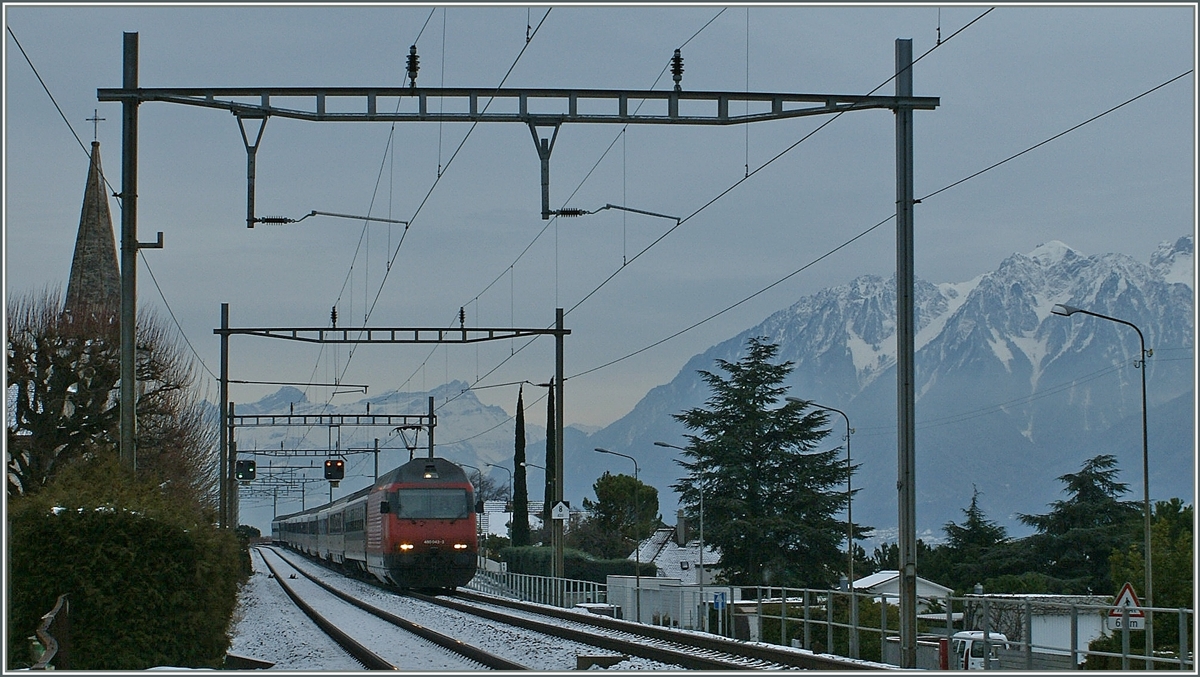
x,y
95,284
676,559
886,584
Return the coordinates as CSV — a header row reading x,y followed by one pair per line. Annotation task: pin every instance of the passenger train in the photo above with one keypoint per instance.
x,y
415,527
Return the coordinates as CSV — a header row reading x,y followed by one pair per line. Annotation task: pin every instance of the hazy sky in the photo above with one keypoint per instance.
x,y
1016,77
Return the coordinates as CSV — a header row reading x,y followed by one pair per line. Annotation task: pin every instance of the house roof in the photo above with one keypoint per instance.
x,y
889,582
670,557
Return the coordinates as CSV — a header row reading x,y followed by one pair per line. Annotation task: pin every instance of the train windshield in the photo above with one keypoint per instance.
x,y
433,504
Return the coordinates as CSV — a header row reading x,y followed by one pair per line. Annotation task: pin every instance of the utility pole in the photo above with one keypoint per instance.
x,y
905,362
223,421
557,531
129,248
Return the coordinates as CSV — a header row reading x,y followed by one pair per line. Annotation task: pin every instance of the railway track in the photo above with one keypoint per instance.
x,y
693,651
662,646
469,657
708,651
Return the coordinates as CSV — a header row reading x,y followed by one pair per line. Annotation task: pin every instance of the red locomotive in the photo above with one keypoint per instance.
x,y
413,528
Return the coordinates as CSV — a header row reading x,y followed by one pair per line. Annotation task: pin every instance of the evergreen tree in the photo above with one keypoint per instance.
x,y
520,513
551,430
625,512
968,551
771,499
1075,539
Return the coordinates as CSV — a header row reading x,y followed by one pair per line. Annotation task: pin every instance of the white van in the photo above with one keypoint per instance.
x,y
966,650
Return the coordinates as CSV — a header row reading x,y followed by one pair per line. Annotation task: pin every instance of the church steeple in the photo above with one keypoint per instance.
x,y
95,283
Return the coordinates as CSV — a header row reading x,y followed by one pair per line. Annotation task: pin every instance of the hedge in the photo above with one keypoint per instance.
x,y
146,586
578,565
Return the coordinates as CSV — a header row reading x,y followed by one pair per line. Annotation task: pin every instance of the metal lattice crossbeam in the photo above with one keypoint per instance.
x,y
531,106
390,334
389,420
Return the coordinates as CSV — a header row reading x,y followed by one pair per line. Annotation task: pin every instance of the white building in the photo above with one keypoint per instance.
x,y
886,584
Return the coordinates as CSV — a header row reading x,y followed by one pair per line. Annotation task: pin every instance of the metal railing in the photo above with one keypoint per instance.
x,y
819,620
560,592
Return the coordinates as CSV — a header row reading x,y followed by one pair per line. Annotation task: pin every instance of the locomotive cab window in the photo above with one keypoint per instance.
x,y
432,504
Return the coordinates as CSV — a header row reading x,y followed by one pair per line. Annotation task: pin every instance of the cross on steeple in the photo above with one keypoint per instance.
x,y
95,120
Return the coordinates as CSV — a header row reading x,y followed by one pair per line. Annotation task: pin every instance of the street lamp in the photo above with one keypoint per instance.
x,y
849,522
637,573
1067,311
545,509
700,572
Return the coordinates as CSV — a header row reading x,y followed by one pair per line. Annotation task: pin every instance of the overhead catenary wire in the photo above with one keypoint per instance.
x,y
726,191
430,191
145,263
865,232
554,220
58,108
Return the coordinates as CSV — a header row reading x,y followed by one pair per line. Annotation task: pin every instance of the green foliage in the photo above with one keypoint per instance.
x,y
536,561
772,500
1171,539
551,457
150,580
625,513
492,544
520,513
247,532
966,557
1075,539
868,622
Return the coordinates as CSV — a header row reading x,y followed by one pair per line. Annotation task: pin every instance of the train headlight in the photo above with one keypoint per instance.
x,y
460,546
405,547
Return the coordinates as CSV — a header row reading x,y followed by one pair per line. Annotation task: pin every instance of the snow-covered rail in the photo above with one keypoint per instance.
x,y
692,650
446,653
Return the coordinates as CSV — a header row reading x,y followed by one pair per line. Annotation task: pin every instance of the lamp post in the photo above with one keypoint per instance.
x,y
700,564
849,523
637,573
545,509
1067,311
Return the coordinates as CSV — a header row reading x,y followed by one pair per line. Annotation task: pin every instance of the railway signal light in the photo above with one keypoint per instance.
x,y
335,469
245,470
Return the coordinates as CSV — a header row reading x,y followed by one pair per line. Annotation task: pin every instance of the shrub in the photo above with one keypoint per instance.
x,y
149,582
536,561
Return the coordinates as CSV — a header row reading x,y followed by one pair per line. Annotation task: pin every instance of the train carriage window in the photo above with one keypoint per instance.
x,y
432,504
355,518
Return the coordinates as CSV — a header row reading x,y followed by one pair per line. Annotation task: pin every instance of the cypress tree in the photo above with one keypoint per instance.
x,y
520,514
551,432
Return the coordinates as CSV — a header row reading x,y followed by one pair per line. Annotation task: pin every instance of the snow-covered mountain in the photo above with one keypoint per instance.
x,y
1009,396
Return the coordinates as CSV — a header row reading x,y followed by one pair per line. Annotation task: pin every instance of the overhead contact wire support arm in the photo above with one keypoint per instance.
x,y
251,155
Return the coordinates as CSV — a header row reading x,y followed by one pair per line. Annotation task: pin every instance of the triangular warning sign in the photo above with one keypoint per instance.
x,y
1127,598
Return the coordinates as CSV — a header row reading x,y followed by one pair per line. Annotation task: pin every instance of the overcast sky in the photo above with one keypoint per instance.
x,y
1016,77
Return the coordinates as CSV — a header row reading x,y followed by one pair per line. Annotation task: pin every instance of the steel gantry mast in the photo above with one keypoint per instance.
x,y
551,108
357,336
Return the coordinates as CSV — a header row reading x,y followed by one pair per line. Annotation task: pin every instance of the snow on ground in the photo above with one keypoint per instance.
x,y
269,627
